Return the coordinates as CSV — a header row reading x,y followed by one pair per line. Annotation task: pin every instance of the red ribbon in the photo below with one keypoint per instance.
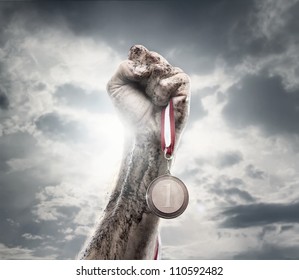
x,y
168,129
156,256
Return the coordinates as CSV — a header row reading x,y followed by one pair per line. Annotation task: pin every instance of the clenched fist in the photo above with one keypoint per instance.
x,y
143,84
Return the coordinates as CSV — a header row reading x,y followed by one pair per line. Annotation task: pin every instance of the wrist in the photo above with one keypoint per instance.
x,y
147,151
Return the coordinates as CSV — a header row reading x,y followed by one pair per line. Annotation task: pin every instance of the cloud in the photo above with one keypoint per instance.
x,y
16,253
270,252
265,37
79,98
274,18
4,102
31,237
17,145
237,33
253,215
229,190
60,128
59,137
40,68
263,102
196,110
200,41
4,166
230,158
62,202
286,227
254,173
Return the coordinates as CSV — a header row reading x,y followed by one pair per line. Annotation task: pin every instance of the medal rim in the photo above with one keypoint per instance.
x,y
159,213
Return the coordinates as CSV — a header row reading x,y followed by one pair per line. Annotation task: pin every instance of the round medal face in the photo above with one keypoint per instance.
x,y
167,197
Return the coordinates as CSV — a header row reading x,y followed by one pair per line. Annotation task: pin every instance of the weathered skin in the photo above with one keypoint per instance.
x,y
139,89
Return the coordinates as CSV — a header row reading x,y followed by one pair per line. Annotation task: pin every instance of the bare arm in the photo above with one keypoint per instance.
x,y
139,89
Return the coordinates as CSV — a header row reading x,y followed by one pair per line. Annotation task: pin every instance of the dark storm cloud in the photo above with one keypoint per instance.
x,y
264,102
252,215
3,165
77,97
7,11
229,159
58,128
230,189
268,229
254,173
4,103
270,251
197,31
230,193
192,33
246,196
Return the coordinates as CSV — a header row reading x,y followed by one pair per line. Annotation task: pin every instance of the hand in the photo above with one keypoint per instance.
x,y
143,85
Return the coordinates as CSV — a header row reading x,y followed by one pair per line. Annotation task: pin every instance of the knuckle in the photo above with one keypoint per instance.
x,y
109,87
185,78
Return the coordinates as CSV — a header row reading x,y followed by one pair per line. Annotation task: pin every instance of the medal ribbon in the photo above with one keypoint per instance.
x,y
168,129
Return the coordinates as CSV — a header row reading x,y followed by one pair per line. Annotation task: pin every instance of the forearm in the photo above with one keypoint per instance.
x,y
128,230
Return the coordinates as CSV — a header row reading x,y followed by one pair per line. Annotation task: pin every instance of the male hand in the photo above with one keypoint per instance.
x,y
143,85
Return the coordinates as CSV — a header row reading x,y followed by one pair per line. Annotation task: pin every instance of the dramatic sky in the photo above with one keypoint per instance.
x,y
61,140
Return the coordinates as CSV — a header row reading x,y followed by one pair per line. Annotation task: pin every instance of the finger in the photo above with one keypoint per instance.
x,y
159,59
176,87
163,86
127,72
181,101
142,55
153,89
137,53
